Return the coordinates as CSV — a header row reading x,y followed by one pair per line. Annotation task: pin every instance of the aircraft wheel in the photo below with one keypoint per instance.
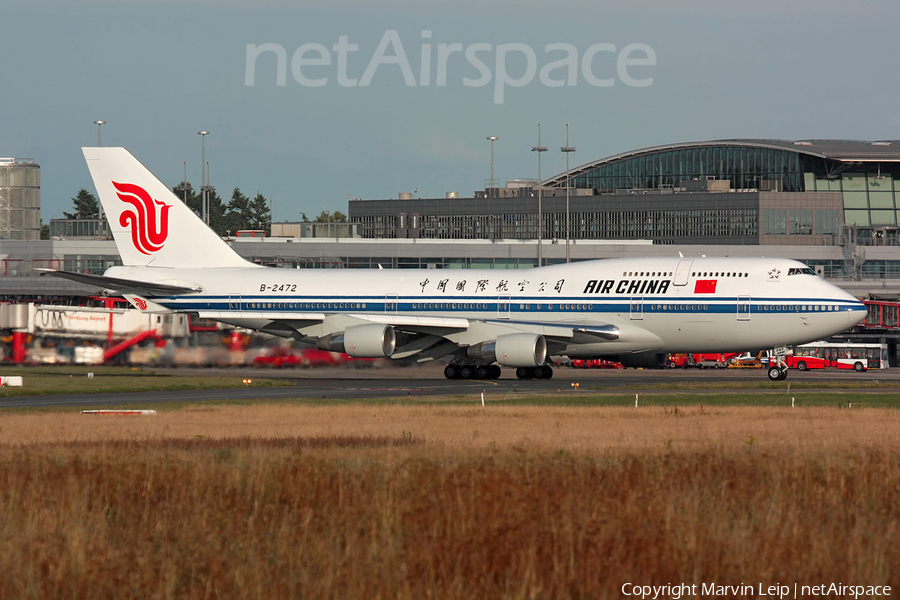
x,y
775,374
483,372
548,372
495,372
801,366
858,367
524,373
466,372
451,372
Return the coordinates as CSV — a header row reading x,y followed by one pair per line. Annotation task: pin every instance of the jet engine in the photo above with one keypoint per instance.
x,y
513,350
372,340
645,360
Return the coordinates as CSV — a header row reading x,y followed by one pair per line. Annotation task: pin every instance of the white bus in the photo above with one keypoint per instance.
x,y
838,355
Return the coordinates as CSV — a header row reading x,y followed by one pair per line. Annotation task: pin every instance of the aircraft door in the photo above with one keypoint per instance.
x,y
637,308
682,272
234,302
743,308
503,306
390,303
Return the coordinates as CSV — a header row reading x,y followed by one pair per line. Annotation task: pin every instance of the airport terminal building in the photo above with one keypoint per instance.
x,y
838,196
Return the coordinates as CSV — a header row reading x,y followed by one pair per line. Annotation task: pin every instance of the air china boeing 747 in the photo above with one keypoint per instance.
x,y
634,311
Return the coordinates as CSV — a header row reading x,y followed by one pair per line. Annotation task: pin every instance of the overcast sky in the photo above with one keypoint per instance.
x,y
362,117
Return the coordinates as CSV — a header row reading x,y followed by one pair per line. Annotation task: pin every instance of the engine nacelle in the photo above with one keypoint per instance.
x,y
373,340
645,360
513,350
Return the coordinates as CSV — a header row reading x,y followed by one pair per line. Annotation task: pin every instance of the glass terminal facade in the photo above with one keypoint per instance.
x,y
745,167
870,198
866,174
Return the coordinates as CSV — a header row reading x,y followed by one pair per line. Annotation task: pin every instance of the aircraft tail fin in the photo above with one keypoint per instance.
x,y
150,225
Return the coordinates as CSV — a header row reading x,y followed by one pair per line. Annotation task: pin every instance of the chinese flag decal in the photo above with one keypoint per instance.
x,y
705,286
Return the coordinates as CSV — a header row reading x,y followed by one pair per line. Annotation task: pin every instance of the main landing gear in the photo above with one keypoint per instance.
x,y
542,372
469,371
454,371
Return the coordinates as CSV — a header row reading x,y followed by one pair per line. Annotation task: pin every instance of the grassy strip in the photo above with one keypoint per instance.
x,y
684,401
838,399
40,381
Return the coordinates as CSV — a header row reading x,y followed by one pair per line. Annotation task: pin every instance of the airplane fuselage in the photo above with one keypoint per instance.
x,y
658,304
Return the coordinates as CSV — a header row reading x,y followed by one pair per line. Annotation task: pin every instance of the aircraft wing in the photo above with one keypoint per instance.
x,y
424,337
479,330
125,286
462,331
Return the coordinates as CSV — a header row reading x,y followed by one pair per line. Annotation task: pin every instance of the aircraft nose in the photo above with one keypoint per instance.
x,y
857,313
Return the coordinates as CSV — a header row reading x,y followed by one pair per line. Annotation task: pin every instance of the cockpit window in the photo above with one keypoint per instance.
x,y
803,271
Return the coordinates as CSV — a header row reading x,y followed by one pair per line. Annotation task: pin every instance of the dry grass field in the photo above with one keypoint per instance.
x,y
450,428
412,502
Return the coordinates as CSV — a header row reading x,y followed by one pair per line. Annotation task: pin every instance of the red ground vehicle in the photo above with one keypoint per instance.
x,y
596,363
311,357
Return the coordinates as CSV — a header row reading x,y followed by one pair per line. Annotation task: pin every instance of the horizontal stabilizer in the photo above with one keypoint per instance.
x,y
124,286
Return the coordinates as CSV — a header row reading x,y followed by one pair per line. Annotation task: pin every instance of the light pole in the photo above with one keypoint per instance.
x,y
99,137
567,149
204,187
540,149
493,139
184,187
99,124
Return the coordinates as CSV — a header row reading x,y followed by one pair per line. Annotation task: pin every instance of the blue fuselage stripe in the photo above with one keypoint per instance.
x,y
519,305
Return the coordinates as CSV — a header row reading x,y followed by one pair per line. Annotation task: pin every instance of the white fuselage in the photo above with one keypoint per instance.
x,y
656,304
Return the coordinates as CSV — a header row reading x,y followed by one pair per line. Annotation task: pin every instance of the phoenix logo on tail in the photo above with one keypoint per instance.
x,y
149,226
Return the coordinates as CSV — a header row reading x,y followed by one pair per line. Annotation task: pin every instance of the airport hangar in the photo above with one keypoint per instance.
x,y
832,204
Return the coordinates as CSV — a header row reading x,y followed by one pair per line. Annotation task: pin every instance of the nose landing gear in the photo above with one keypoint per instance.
x,y
778,369
776,374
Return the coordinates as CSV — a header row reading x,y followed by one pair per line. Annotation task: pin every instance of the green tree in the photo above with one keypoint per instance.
x,y
45,232
261,216
85,205
335,217
226,219
217,220
238,215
